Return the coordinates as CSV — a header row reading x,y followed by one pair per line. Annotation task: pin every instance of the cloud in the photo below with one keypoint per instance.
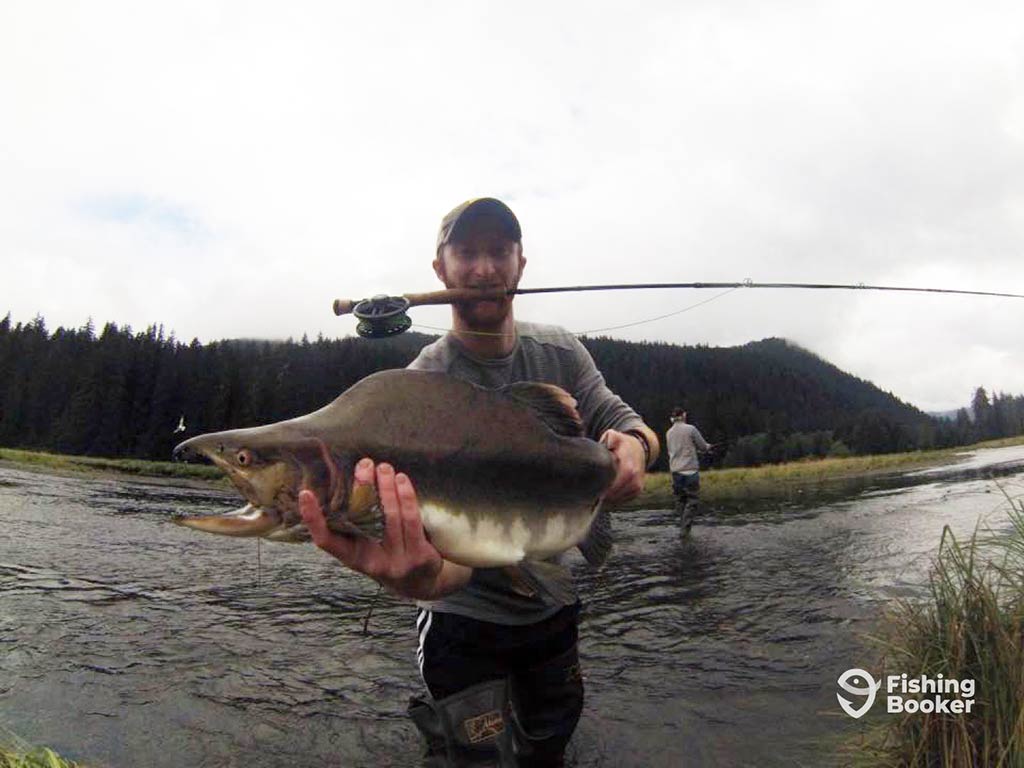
x,y
228,169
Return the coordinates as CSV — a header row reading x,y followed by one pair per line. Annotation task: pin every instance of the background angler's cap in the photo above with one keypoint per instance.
x,y
471,210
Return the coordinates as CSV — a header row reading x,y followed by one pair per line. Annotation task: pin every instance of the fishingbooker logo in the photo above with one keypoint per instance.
x,y
858,682
947,696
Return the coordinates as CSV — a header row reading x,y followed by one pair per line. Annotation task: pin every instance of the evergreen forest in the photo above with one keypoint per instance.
x,y
122,393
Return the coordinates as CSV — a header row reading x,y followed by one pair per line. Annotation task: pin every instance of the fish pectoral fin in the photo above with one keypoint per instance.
x,y
553,405
248,521
362,503
521,583
346,528
361,516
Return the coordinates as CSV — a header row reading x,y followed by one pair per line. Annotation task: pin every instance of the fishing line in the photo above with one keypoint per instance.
x,y
373,604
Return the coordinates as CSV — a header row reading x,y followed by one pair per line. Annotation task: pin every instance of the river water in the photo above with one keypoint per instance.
x,y
127,641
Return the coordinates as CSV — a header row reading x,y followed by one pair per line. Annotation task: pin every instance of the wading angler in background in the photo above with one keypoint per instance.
x,y
497,646
683,442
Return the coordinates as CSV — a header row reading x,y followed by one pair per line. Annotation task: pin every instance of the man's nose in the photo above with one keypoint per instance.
x,y
485,265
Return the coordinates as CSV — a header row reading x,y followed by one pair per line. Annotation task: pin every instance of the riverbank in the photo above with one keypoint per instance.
x,y
60,463
772,481
966,631
785,481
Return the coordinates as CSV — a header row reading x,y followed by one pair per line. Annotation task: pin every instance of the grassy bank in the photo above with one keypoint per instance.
x,y
971,626
90,464
784,480
719,485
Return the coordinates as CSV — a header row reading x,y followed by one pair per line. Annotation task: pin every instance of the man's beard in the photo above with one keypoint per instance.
x,y
484,314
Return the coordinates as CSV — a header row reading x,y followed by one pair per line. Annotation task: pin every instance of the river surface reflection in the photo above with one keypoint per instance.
x,y
128,641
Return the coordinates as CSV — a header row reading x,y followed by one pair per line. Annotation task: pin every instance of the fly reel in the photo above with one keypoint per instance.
x,y
382,316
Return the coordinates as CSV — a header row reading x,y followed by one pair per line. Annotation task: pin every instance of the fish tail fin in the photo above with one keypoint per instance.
x,y
552,404
597,544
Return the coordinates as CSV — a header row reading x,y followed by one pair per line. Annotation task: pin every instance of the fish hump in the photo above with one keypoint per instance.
x,y
552,405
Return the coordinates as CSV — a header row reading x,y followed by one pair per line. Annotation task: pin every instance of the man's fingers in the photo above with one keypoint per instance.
x,y
394,540
615,491
364,474
629,470
412,524
345,549
313,517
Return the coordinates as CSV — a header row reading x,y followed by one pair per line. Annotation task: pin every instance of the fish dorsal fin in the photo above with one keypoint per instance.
x,y
554,406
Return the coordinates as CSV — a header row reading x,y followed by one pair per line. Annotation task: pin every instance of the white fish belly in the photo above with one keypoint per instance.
x,y
485,540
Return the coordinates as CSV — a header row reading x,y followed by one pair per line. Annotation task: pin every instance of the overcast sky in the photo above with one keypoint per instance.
x,y
228,169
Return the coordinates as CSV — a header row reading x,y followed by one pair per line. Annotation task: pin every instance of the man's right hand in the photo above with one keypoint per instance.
x,y
404,561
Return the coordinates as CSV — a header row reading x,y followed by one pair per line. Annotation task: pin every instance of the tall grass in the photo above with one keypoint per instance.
x,y
15,752
971,626
37,758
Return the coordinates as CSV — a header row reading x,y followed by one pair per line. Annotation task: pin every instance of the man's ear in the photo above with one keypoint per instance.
x,y
522,264
439,269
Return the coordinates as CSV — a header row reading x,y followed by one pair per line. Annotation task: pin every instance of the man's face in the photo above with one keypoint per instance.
x,y
481,258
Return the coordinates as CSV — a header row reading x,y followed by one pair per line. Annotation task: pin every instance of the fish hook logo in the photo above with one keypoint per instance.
x,y
847,681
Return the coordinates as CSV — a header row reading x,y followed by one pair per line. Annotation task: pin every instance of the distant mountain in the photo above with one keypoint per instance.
x,y
122,392
771,386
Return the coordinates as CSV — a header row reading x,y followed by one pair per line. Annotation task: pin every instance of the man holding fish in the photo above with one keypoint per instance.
x,y
497,645
514,443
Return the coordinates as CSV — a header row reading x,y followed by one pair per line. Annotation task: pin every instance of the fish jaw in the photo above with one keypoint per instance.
x,y
246,522
278,466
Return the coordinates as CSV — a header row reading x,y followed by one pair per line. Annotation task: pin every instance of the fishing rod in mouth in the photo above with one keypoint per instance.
x,y
383,316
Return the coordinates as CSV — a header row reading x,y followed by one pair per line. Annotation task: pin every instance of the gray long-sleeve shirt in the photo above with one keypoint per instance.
x,y
542,353
684,440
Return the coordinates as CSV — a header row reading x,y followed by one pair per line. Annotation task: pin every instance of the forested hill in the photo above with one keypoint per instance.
x,y
122,393
768,400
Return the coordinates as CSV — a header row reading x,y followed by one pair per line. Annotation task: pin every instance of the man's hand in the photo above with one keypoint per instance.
x,y
404,561
629,461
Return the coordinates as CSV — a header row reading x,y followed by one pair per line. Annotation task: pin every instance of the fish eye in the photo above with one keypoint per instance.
x,y
244,457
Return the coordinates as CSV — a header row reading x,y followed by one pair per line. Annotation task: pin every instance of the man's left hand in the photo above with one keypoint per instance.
x,y
629,462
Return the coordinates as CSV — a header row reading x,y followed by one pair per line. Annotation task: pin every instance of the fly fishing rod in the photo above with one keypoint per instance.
x,y
383,316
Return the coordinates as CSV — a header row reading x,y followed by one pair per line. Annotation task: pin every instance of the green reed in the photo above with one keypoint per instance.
x,y
970,626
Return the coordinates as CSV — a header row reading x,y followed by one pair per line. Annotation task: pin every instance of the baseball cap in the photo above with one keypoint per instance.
x,y
479,208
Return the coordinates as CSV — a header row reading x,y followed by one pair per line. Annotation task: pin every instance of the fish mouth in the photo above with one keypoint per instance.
x,y
270,511
249,520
